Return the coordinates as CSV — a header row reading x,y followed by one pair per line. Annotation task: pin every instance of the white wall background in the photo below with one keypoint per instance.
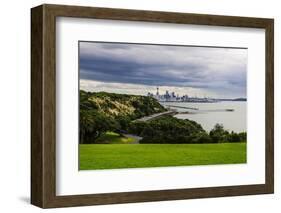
x,y
15,105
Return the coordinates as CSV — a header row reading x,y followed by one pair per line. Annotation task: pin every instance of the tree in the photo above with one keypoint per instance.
x,y
168,129
85,125
93,124
124,122
137,127
201,137
243,136
148,131
237,137
218,134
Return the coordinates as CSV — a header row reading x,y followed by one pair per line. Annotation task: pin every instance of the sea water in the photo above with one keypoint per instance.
x,y
209,114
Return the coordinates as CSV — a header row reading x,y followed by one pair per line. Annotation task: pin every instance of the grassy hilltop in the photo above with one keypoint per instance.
x,y
119,105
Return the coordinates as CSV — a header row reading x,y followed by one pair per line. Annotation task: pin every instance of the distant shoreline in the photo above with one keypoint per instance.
x,y
202,101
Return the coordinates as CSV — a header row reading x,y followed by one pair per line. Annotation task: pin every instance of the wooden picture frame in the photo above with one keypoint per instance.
x,y
43,105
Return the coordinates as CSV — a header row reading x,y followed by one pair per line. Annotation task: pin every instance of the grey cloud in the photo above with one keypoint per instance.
x,y
217,69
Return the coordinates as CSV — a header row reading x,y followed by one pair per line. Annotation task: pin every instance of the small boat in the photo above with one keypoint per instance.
x,y
229,110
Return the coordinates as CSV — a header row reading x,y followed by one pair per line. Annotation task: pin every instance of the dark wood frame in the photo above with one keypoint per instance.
x,y
43,105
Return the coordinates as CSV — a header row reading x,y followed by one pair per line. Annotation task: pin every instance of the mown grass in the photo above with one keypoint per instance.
x,y
113,156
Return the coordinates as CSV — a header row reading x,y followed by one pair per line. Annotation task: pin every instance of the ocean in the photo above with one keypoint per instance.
x,y
209,114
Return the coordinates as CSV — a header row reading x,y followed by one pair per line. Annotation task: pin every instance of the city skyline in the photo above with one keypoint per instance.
x,y
171,96
139,69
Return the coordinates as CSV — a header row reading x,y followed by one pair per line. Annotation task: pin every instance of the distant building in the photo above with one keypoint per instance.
x,y
172,97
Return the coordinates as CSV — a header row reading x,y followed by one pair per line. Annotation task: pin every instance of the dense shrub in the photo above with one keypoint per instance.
x,y
237,137
137,127
168,129
201,137
93,124
218,134
159,132
165,125
243,136
124,122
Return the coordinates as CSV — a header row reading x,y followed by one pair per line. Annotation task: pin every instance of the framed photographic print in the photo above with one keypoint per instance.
x,y
137,106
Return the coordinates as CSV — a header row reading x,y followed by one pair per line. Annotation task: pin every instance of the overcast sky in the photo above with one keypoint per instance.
x,y
138,69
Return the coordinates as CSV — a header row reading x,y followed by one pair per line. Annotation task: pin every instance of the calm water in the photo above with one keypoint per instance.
x,y
211,113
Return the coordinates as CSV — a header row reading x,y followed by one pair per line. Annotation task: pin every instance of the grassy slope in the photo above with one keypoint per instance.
x,y
111,156
114,105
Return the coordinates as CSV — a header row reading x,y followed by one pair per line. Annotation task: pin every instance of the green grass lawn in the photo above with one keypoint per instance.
x,y
113,156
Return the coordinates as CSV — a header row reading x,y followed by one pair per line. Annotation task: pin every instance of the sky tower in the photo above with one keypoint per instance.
x,y
157,93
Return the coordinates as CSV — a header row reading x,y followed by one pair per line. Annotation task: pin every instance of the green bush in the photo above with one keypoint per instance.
x,y
124,122
237,137
218,134
137,127
243,136
93,124
201,137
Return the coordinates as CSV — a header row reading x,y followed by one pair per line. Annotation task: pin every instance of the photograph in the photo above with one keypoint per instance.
x,y
157,105
140,105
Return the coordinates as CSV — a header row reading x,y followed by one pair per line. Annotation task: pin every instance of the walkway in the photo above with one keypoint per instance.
x,y
147,118
135,137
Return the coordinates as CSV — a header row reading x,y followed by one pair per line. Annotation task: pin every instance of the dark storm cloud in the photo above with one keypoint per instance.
x,y
111,70
216,69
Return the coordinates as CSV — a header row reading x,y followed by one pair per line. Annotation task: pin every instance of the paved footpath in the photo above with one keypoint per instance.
x,y
147,118
137,138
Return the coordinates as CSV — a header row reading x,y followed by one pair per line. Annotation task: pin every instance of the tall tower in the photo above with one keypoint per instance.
x,y
157,93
